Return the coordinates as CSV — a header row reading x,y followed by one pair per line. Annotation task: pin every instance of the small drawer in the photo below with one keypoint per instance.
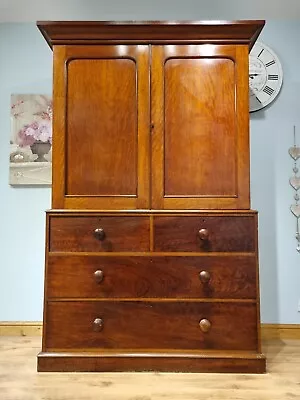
x,y
98,234
150,325
149,277
205,233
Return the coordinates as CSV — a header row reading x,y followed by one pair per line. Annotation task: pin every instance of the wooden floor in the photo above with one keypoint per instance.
x,y
20,381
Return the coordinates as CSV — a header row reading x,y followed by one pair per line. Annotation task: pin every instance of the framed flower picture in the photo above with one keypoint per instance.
x,y
31,139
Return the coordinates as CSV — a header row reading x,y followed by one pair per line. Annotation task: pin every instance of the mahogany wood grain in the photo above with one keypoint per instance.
x,y
225,233
259,335
200,132
162,277
151,212
101,156
59,125
102,144
200,146
83,32
78,234
151,325
45,298
247,363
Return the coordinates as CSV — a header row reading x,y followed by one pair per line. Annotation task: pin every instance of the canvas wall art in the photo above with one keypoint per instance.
x,y
31,139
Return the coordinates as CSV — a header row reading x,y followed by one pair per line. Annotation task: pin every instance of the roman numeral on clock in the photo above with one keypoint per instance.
x,y
268,90
273,77
260,53
270,63
257,99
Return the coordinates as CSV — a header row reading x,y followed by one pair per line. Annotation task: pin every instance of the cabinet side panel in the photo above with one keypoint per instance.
x,y
59,124
102,127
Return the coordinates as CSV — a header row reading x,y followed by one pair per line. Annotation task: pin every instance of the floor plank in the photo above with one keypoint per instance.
x,y
20,381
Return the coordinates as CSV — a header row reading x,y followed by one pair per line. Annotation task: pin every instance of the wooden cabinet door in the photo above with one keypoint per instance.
x,y
200,134
101,127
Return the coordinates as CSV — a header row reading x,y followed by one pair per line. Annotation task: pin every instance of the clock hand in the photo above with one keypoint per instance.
x,y
253,75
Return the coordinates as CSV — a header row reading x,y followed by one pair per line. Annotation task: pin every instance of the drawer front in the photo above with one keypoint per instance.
x,y
151,325
99,234
133,277
204,234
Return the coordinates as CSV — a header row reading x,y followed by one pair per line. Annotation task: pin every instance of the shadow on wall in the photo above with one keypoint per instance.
x,y
263,195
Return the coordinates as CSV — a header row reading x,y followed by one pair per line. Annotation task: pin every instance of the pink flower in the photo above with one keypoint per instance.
x,y
25,139
36,131
43,132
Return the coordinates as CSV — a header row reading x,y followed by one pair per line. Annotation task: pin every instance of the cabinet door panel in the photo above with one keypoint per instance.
x,y
101,141
200,137
102,127
199,130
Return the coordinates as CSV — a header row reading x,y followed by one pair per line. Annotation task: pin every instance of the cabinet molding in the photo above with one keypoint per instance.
x,y
97,32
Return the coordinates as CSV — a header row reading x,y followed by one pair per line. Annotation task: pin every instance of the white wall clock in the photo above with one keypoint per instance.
x,y
265,76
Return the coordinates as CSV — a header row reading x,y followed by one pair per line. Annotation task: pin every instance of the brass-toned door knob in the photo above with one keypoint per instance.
x,y
98,325
204,276
205,325
99,233
203,234
99,276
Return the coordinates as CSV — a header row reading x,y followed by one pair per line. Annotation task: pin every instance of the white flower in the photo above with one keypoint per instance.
x,y
43,132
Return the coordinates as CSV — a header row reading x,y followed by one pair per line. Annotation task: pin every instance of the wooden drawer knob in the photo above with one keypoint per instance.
x,y
205,325
98,325
203,234
99,233
98,276
204,276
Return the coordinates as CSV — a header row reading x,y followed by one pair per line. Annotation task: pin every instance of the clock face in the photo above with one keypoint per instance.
x,y
265,76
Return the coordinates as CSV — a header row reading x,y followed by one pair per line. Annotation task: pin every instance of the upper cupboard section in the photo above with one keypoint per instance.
x,y
140,126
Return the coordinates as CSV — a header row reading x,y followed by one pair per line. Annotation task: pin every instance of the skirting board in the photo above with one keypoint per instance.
x,y
268,331
21,328
280,331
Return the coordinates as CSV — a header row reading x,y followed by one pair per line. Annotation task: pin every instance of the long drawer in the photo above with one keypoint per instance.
x,y
98,233
224,233
135,277
150,325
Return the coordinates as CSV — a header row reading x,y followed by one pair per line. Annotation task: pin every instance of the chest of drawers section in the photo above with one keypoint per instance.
x,y
152,291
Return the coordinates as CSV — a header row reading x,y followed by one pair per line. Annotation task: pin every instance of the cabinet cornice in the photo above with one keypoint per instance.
x,y
95,32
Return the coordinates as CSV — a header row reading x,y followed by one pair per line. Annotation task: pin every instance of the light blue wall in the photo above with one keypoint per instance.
x,y
26,67
271,167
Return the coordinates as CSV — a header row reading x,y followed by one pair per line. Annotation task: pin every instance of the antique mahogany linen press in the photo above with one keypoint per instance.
x,y
151,245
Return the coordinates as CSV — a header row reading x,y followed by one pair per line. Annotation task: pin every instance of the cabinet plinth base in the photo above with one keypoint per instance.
x,y
237,362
